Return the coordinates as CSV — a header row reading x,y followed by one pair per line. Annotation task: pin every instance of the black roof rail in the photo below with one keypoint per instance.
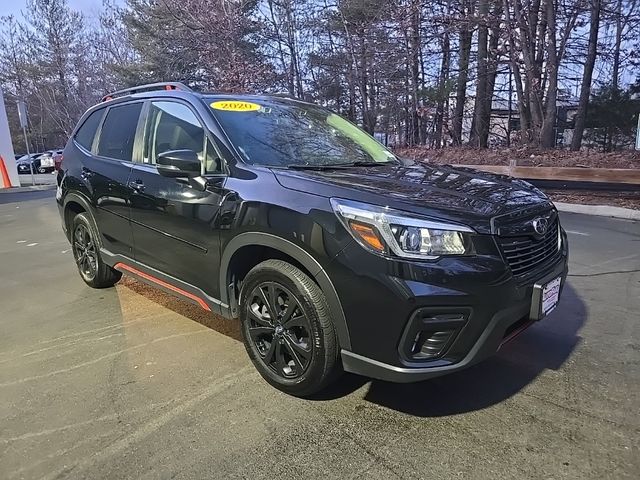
x,y
146,88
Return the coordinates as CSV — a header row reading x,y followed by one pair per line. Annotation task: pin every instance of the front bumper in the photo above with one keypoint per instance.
x,y
496,307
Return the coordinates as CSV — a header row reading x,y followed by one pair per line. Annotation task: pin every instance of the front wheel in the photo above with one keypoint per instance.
x,y
287,330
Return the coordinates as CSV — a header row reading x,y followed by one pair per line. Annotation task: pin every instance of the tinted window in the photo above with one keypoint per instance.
x,y
281,133
87,131
173,126
119,131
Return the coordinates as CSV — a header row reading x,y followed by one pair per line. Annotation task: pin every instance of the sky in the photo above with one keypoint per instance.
x,y
90,8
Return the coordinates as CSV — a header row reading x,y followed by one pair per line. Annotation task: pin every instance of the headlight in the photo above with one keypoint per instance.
x,y
385,231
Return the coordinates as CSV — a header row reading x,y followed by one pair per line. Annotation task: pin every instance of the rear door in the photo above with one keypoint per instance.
x,y
107,174
174,224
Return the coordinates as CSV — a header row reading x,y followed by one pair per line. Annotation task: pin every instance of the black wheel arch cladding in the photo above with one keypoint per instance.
x,y
300,255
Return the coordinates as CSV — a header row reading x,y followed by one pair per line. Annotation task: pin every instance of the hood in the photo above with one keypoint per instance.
x,y
454,193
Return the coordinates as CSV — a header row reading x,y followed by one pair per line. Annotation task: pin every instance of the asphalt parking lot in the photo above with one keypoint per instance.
x,y
131,383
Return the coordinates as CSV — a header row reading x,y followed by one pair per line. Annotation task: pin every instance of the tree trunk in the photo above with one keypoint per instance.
x,y
479,115
276,30
585,90
616,51
492,72
532,94
293,49
547,132
351,113
364,85
442,89
414,47
523,102
461,86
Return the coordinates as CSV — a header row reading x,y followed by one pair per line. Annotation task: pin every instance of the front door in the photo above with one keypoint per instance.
x,y
174,225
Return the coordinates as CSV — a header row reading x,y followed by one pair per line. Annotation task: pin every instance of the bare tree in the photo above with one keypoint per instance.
x,y
400,68
467,9
479,110
585,90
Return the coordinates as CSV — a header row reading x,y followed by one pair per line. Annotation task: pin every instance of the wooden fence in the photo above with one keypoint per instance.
x,y
567,174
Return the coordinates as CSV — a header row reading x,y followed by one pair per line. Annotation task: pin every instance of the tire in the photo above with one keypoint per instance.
x,y
298,353
42,170
86,252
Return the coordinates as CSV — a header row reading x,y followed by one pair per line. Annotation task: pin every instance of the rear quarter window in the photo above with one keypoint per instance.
x,y
87,132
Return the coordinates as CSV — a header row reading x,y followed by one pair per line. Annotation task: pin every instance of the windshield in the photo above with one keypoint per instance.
x,y
284,133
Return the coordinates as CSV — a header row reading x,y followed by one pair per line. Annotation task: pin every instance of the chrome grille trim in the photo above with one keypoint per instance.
x,y
525,253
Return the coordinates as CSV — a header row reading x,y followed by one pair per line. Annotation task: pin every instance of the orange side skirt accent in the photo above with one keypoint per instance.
x,y
173,288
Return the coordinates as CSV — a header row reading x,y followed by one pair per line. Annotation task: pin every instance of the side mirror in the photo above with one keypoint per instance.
x,y
178,163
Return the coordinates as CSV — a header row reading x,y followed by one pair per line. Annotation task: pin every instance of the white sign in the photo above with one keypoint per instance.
x,y
6,147
22,114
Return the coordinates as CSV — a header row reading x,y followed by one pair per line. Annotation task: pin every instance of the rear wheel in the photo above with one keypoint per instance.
x,y
287,330
86,252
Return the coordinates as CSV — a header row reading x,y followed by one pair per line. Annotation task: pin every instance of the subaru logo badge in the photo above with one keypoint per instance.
x,y
540,225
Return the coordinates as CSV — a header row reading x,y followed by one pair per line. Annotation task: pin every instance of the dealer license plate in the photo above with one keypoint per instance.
x,y
550,296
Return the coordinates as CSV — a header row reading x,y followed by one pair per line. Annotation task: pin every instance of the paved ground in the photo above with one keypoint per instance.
x,y
130,383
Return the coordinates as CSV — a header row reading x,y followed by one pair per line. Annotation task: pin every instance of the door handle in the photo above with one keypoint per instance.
x,y
137,185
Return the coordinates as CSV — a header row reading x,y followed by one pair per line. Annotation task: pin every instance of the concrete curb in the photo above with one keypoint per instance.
x,y
600,210
30,188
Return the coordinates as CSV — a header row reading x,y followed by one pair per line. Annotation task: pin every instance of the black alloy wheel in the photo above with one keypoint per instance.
x,y
279,329
84,252
287,328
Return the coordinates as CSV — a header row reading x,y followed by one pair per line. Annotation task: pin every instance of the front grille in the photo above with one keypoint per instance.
x,y
525,253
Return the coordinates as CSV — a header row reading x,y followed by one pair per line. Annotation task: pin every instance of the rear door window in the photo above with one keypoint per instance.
x,y
86,133
118,132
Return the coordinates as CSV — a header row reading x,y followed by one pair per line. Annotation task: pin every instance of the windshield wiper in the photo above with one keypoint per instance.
x,y
318,166
363,163
330,166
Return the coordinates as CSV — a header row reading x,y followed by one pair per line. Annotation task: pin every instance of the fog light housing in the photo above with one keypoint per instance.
x,y
430,344
430,332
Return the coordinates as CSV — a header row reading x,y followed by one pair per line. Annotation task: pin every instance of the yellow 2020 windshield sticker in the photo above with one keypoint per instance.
x,y
235,106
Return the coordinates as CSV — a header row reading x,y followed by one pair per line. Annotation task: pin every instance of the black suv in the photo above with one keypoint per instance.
x,y
333,253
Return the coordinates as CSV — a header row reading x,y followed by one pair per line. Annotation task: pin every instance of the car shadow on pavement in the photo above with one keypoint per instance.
x,y
545,345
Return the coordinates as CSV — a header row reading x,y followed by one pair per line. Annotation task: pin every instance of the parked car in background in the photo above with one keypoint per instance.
x,y
24,161
57,160
47,164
